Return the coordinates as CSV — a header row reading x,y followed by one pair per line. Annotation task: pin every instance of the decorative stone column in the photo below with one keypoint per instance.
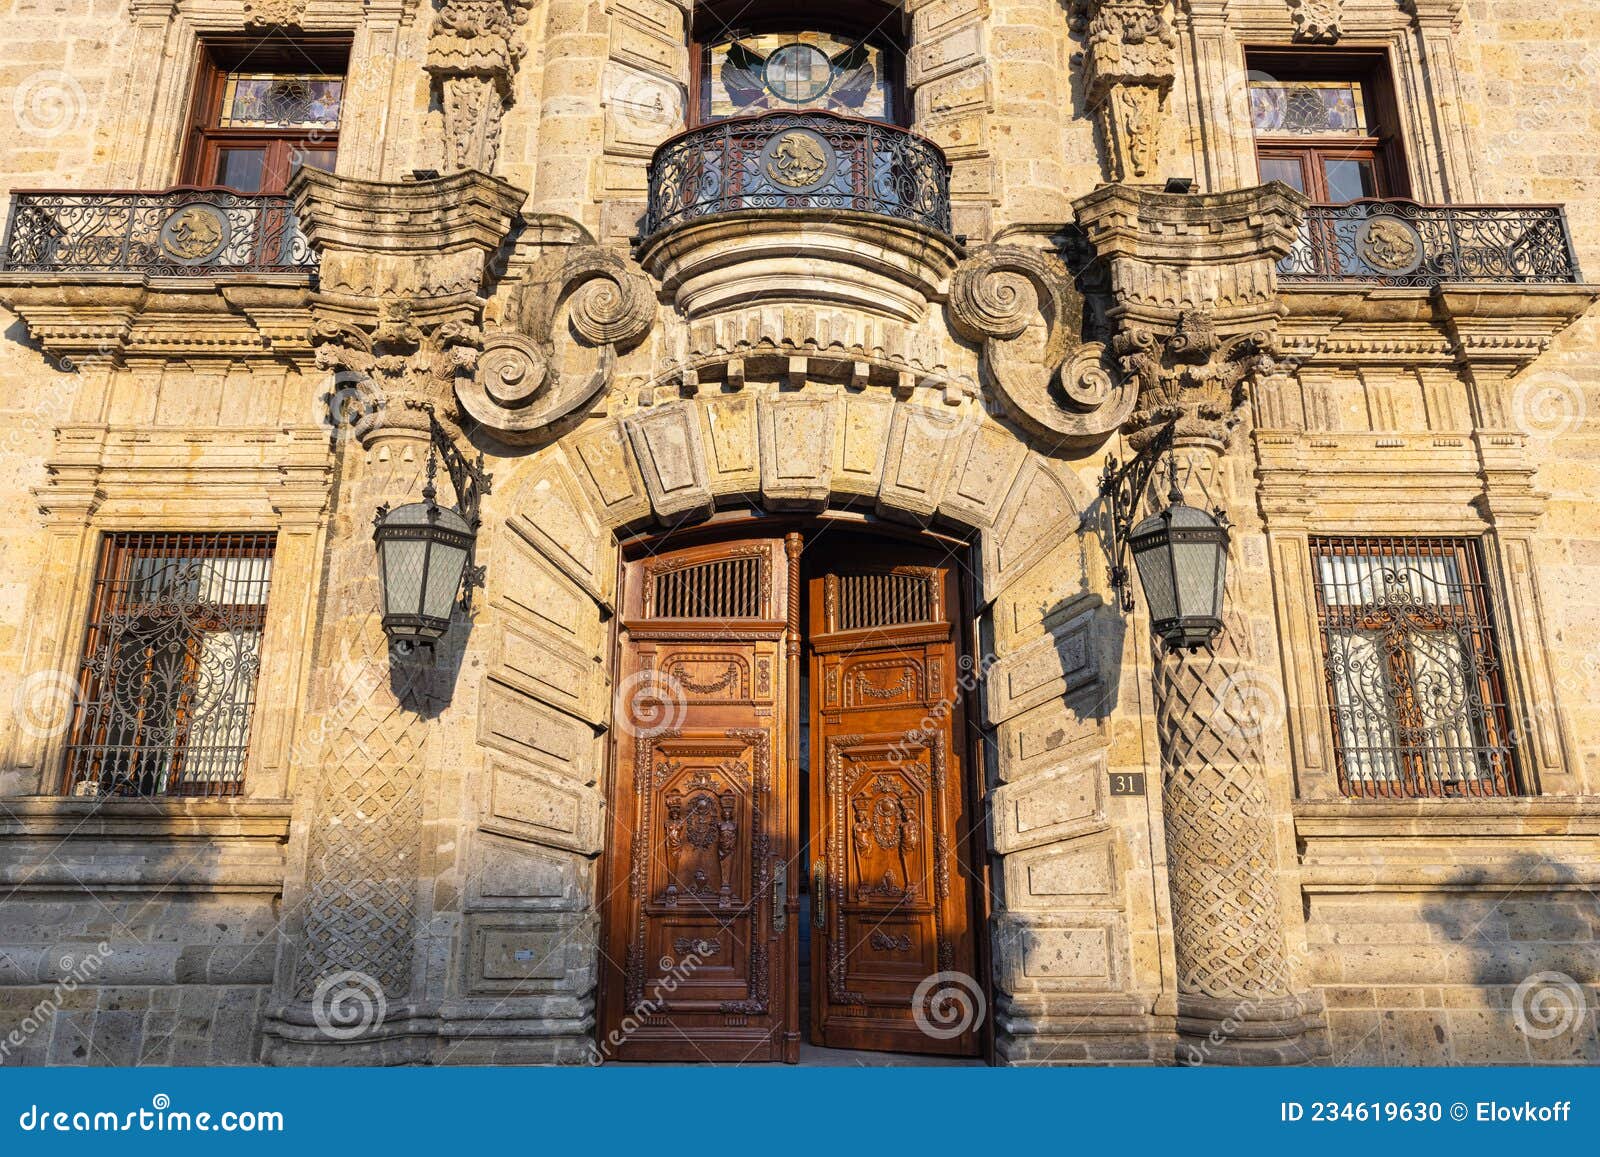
x,y
401,276
1196,309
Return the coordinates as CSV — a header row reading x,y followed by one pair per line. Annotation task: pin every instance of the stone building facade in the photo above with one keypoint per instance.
x,y
686,274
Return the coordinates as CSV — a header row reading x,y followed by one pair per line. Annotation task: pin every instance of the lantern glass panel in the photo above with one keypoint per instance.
x,y
1199,559
1153,557
422,551
403,560
444,578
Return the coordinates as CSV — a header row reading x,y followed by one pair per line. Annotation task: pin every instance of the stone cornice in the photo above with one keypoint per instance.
x,y
466,210
1475,326
81,317
161,819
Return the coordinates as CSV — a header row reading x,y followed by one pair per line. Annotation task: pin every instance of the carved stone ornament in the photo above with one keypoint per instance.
x,y
379,369
608,304
1022,305
1317,20
1128,67
274,13
1192,374
473,53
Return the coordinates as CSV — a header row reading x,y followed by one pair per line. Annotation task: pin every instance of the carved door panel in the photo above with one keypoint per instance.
x,y
889,897
699,940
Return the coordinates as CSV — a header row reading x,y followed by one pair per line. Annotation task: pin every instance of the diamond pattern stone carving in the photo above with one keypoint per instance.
x,y
1227,927
362,868
366,827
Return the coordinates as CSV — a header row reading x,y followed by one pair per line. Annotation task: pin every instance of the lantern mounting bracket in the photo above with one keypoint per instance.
x,y
1121,485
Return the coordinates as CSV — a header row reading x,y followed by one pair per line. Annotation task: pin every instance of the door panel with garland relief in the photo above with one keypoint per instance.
x,y
890,905
699,953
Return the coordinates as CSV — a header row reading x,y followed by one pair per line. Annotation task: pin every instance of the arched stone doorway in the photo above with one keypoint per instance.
x,y
1040,631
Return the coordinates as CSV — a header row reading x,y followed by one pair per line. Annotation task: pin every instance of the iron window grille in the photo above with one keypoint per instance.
x,y
167,685
1412,667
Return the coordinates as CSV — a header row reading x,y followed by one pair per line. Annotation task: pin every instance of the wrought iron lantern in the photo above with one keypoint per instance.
x,y
1180,552
426,551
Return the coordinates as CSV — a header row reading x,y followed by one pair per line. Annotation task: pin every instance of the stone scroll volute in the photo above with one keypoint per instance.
x,y
577,307
1022,306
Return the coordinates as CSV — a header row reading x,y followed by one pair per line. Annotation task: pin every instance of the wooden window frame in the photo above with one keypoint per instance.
x,y
1372,71
206,138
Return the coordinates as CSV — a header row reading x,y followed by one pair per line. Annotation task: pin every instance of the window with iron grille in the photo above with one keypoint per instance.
x,y
1412,667
168,680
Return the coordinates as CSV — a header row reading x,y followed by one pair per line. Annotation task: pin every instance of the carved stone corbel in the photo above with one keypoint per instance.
x,y
260,15
1128,69
608,305
1021,304
473,53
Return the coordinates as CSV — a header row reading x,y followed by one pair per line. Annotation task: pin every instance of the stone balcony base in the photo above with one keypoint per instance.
x,y
830,258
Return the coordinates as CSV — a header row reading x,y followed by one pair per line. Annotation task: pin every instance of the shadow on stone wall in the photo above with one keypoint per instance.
x,y
1515,961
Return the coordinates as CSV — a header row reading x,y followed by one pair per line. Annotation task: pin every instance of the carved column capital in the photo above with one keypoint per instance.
x,y
386,374
1194,297
1192,375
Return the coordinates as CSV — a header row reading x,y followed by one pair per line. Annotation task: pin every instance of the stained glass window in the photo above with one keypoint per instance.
x,y
795,70
1307,108
280,100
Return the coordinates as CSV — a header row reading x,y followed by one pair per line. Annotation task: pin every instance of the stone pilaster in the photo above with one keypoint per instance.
x,y
1196,313
473,52
397,324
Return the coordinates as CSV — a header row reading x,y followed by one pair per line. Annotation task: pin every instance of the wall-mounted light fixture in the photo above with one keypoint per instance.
x,y
426,551
1180,552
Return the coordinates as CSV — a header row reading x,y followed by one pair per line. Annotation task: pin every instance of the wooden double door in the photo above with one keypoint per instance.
x,y
789,747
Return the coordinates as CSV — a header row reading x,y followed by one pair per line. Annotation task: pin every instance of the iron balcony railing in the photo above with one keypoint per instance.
x,y
177,233
809,160
1403,243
